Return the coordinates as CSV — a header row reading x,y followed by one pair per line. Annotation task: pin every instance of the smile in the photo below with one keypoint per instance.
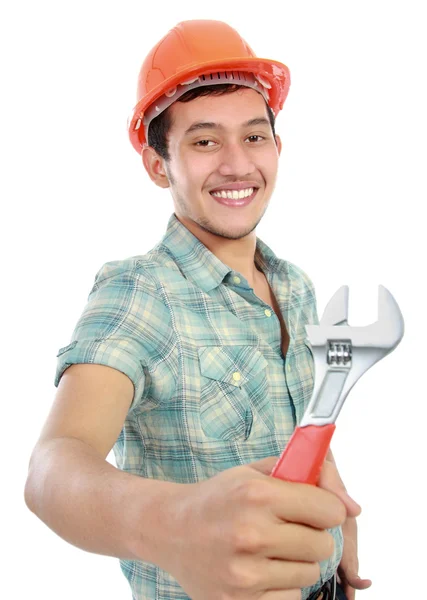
x,y
235,198
233,194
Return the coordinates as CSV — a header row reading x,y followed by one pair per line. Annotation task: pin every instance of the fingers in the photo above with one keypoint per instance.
x,y
361,584
349,566
356,582
289,541
350,591
307,504
251,573
281,574
282,595
350,581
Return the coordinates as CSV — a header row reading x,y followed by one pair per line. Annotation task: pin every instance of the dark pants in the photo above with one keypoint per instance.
x,y
327,592
340,593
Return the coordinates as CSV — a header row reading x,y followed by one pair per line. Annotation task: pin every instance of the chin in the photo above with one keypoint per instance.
x,y
224,230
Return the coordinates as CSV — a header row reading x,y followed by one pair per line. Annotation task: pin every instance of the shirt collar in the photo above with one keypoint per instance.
x,y
200,265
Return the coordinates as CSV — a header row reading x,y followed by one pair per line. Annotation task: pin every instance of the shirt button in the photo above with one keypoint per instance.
x,y
267,312
236,376
236,279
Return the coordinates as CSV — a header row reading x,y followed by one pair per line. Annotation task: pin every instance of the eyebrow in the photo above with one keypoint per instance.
x,y
207,125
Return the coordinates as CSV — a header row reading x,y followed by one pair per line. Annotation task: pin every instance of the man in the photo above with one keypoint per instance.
x,y
191,361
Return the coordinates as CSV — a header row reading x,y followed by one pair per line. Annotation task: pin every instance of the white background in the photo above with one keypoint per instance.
x,y
348,209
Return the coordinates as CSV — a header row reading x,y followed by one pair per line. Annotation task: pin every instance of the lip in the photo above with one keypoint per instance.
x,y
240,185
235,202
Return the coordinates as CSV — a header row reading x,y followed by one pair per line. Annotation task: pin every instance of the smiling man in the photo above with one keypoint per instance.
x,y
191,362
222,173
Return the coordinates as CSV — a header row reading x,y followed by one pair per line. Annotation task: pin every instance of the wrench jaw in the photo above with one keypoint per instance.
x,y
390,319
336,311
343,353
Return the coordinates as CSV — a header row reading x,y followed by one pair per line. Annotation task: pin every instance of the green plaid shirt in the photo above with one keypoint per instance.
x,y
212,388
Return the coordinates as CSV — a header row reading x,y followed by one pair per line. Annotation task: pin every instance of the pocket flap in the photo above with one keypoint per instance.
x,y
235,365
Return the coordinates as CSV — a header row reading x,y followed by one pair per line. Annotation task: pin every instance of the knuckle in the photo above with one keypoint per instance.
x,y
245,538
240,576
335,510
327,545
253,492
340,514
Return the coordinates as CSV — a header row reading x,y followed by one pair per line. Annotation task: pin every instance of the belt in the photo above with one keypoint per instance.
x,y
328,591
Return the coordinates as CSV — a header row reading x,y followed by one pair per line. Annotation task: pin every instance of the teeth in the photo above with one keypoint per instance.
x,y
233,194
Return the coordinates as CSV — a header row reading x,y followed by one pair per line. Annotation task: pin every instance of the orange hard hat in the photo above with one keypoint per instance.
x,y
187,54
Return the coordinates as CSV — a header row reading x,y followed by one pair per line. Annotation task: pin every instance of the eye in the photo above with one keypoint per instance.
x,y
202,143
255,136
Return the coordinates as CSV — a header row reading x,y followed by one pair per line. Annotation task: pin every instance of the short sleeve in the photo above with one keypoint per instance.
x,y
110,329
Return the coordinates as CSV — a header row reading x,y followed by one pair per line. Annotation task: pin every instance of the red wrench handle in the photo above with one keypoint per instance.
x,y
303,457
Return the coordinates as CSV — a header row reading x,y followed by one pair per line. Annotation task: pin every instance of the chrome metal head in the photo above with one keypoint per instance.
x,y
343,353
385,333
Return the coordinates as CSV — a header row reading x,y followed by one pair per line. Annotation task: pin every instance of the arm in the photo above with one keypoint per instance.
x,y
70,485
215,536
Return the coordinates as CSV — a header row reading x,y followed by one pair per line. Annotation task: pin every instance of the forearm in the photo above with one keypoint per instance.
x,y
93,505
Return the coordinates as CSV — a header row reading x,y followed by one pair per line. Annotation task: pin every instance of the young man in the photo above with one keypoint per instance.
x,y
191,361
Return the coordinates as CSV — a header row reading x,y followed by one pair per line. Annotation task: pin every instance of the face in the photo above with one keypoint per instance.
x,y
228,149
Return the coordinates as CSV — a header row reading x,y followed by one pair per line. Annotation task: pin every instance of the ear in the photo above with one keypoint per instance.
x,y
278,143
155,167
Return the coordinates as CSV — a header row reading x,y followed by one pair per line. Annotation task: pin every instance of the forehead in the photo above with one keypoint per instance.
x,y
229,110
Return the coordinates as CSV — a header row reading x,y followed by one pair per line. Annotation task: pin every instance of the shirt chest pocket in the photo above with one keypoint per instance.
x,y
234,399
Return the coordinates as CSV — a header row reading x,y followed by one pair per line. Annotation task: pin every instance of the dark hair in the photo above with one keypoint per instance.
x,y
160,126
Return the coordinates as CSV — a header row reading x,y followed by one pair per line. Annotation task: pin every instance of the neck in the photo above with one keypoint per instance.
x,y
239,254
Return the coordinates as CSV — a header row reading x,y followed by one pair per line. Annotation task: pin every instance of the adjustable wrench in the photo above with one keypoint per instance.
x,y
341,355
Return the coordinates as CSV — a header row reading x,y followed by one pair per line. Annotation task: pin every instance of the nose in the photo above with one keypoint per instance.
x,y
235,159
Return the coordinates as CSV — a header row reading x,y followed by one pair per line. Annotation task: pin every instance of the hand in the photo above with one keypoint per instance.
x,y
245,535
349,566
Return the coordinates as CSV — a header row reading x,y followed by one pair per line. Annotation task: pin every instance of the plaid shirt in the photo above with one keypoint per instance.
x,y
212,388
